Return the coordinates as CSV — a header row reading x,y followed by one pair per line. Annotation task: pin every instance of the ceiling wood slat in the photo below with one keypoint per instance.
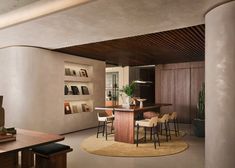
x,y
180,45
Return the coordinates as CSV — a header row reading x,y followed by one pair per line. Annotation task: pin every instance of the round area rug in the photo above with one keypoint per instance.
x,y
100,146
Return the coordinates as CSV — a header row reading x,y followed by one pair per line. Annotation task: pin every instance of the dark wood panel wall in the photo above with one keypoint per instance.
x,y
179,84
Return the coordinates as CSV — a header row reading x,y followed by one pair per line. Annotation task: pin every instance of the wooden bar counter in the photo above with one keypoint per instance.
x,y
125,120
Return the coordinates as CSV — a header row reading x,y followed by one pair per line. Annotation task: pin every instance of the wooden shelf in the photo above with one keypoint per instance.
x,y
77,97
77,79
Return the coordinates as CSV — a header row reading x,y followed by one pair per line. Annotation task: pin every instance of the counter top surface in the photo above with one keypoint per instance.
x,y
133,108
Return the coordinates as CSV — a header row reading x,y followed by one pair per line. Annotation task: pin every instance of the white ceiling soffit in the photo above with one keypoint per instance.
x,y
9,5
35,10
102,20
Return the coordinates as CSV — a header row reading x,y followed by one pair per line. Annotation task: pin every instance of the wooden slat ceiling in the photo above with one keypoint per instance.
x,y
180,45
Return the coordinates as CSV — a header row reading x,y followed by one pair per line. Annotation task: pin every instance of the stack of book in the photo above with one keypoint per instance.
x,y
7,137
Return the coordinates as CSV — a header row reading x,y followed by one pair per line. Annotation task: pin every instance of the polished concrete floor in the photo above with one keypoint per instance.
x,y
193,157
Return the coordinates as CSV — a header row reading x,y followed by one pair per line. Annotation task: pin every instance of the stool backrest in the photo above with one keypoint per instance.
x,y
173,115
165,117
153,121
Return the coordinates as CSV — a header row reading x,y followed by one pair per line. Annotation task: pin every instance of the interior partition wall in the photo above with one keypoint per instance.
x,y
33,82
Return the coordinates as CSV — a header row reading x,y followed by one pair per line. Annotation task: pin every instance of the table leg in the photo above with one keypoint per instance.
x,y
124,127
27,159
9,160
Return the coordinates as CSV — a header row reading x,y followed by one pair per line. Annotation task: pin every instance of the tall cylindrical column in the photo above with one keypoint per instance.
x,y
220,86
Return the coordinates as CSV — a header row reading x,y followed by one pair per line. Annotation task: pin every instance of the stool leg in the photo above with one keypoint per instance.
x,y
103,128
154,136
151,133
175,127
137,135
112,127
177,123
145,134
158,137
166,131
106,131
169,130
98,130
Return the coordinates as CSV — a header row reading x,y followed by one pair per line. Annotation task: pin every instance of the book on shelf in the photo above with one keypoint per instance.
x,y
75,90
75,109
66,90
74,73
85,108
1,98
68,72
83,73
7,137
67,108
85,90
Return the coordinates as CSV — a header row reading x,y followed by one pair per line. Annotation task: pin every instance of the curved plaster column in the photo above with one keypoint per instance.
x,y
220,86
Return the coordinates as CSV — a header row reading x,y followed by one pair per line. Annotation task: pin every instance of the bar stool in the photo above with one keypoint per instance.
x,y
165,120
104,121
173,117
150,114
148,123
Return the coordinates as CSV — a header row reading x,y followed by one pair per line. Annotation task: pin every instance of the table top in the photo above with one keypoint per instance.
x,y
27,139
133,108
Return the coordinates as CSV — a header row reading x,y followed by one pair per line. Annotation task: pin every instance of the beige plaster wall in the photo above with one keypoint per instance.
x,y
220,82
32,82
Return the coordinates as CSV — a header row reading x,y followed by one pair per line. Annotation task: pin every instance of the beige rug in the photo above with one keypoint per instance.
x,y
100,146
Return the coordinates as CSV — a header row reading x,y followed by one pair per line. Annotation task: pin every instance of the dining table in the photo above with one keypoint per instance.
x,y
124,122
25,140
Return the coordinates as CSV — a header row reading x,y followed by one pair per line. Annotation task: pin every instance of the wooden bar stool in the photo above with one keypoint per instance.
x,y
104,121
148,123
51,155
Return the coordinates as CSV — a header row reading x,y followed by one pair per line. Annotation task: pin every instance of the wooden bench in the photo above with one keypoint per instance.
x,y
51,155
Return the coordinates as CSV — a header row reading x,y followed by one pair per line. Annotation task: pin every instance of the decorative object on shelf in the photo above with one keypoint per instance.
x,y
85,108
83,73
199,121
66,90
141,102
75,90
2,113
74,73
67,72
75,109
129,91
67,109
85,90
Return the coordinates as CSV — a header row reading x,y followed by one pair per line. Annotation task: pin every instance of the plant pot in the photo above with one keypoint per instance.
x,y
199,127
126,102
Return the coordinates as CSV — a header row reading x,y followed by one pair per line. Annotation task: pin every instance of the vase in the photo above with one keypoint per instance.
x,y
126,102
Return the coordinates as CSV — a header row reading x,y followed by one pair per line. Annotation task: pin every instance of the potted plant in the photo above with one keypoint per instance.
x,y
129,91
199,121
